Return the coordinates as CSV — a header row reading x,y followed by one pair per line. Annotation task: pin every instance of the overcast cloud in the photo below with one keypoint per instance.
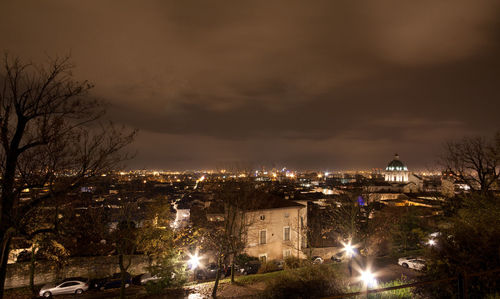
x,y
326,85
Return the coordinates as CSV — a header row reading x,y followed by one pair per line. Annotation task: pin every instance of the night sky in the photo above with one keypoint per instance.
x,y
330,86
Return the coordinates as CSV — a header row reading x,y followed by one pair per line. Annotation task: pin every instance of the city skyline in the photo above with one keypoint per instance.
x,y
337,85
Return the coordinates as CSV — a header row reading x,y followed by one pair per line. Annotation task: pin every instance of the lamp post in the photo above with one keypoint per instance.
x,y
368,279
349,251
193,263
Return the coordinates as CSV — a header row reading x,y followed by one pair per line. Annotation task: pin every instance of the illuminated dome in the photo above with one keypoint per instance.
x,y
396,165
396,171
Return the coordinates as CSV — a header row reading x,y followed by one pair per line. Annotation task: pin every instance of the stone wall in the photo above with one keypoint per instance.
x,y
18,274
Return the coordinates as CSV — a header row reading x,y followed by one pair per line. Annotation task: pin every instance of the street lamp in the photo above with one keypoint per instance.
x,y
368,278
349,252
349,249
194,261
431,242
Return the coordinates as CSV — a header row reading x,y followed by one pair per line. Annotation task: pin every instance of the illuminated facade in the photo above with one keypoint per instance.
x,y
277,232
396,171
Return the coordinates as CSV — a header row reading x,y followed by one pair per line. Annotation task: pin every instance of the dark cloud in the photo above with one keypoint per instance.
x,y
337,84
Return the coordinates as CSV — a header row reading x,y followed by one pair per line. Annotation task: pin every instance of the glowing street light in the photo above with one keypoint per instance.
x,y
194,261
431,242
349,249
368,278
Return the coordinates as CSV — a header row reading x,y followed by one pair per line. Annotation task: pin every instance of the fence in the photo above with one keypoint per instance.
x,y
463,281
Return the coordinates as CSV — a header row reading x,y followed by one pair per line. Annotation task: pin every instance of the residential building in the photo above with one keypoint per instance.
x,y
276,229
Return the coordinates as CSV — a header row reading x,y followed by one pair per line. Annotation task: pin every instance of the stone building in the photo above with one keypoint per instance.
x,y
396,171
277,229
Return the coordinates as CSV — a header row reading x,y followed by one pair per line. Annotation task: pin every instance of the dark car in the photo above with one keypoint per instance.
x,y
112,282
251,267
208,272
337,257
97,283
227,269
23,256
137,279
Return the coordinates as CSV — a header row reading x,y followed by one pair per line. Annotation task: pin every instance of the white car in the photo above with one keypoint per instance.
x,y
317,260
66,287
147,277
415,263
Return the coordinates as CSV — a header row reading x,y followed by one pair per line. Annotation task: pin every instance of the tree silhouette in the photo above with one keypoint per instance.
x,y
51,140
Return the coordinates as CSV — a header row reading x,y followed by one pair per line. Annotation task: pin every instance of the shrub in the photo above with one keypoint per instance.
x,y
293,262
312,281
172,274
470,245
243,259
267,267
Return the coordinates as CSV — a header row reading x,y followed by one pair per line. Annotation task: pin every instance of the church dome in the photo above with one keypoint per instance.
x,y
396,165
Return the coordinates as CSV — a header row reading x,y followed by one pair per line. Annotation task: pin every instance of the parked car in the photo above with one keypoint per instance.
x,y
317,260
279,264
78,278
112,282
227,269
65,287
341,256
148,277
97,283
208,272
23,256
251,267
337,258
415,263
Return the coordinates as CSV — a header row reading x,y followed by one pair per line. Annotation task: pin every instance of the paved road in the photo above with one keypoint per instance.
x,y
384,269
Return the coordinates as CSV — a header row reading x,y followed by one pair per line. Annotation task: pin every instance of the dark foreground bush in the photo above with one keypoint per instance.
x,y
270,266
313,281
293,262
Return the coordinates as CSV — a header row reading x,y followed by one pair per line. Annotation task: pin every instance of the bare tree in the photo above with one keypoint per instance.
x,y
349,216
302,243
51,140
343,214
474,160
228,237
125,238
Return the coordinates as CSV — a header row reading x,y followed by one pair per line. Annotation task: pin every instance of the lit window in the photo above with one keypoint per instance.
x,y
263,237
